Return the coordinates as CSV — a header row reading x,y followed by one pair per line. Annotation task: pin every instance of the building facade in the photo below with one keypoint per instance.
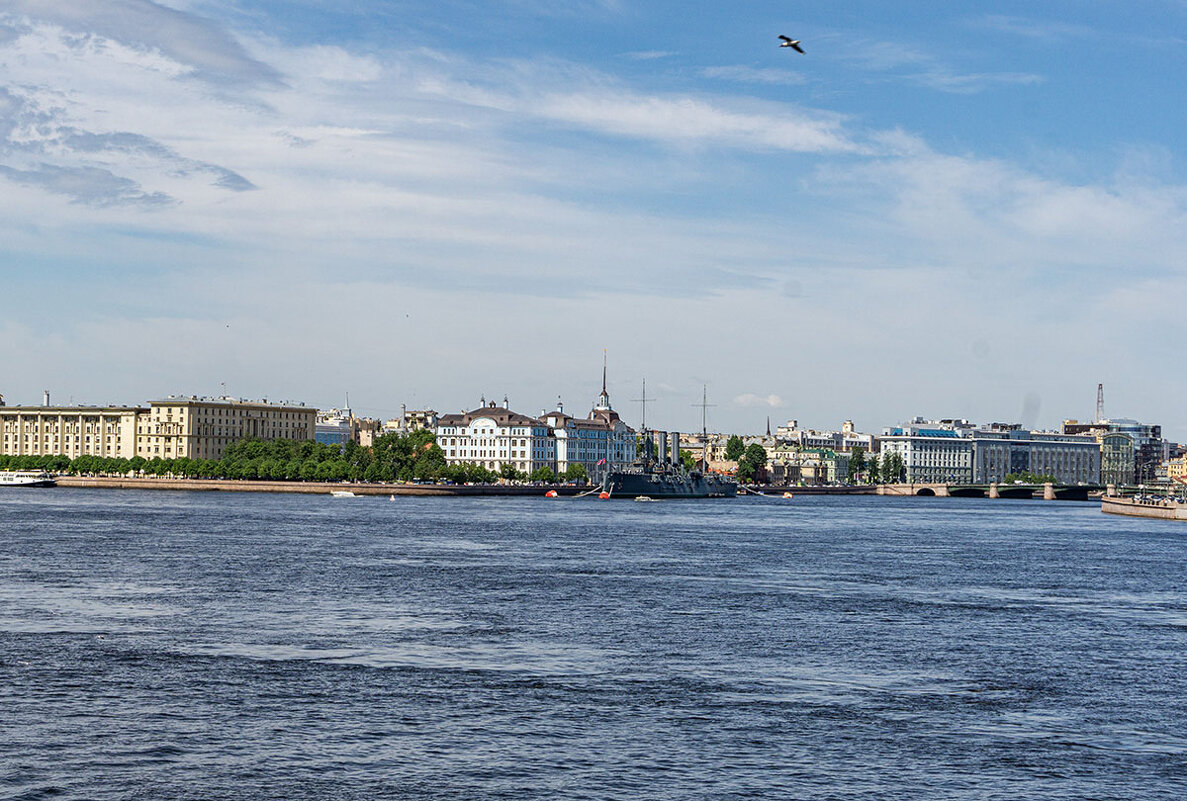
x,y
999,450
202,428
932,452
599,442
956,452
493,436
71,431
196,428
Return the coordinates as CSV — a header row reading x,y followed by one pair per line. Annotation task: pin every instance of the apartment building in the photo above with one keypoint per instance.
x,y
197,428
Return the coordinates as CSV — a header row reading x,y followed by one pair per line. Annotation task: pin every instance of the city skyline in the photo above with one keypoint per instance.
x,y
631,413
930,212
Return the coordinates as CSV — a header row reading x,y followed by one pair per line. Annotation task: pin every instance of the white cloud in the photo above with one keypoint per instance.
x,y
743,74
906,63
750,400
185,38
1045,30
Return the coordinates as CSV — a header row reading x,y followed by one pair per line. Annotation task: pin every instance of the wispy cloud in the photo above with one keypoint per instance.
x,y
91,185
744,74
649,55
1048,30
916,66
750,400
692,120
198,42
595,102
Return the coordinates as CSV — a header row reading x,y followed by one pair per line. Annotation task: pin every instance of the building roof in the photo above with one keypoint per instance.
x,y
72,409
500,414
194,400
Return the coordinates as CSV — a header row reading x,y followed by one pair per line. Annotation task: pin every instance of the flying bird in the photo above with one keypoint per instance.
x,y
789,42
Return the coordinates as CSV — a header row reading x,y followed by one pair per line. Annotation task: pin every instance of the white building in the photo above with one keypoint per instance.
x,y
599,442
953,451
932,452
493,436
843,441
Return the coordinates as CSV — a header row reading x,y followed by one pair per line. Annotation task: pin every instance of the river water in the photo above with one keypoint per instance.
x,y
222,645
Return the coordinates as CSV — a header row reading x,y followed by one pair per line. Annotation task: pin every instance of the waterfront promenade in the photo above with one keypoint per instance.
x,y
311,487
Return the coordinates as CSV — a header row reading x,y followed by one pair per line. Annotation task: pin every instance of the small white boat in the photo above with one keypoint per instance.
x,y
26,478
644,499
342,493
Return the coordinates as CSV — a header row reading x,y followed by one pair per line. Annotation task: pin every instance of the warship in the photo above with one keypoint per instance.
x,y
659,473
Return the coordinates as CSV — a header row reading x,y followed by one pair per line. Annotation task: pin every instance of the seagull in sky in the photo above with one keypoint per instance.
x,y
792,43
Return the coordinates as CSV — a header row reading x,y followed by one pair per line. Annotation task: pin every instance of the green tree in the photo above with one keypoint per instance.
x,y
873,474
734,448
687,460
544,474
752,463
576,472
857,464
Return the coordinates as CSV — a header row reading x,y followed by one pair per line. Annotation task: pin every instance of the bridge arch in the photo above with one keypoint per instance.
x,y
925,492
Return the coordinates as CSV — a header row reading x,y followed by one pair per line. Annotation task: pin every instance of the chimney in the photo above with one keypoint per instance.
x,y
45,398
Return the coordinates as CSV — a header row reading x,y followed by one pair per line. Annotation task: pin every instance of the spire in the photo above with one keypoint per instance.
x,y
768,425
603,399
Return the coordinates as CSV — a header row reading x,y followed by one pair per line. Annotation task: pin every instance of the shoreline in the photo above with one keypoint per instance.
x,y
441,490
307,487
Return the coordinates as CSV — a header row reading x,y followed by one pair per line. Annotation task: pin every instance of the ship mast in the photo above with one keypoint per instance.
x,y
643,401
704,404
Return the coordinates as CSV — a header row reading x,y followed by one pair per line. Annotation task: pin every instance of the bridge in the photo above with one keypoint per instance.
x,y
1048,492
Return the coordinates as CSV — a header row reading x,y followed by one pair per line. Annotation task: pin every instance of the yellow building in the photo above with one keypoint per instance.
x,y
69,431
202,428
197,428
1176,469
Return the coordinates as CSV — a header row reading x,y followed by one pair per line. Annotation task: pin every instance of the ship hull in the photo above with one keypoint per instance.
x,y
25,479
668,485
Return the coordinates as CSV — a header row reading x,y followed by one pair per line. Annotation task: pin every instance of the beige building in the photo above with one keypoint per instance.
x,y
202,428
197,428
72,431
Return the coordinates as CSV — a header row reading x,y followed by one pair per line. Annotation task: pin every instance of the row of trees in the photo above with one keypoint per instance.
x,y
394,457
752,461
862,470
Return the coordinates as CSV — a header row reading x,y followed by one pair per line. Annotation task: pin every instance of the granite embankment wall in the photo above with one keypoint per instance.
x,y
307,487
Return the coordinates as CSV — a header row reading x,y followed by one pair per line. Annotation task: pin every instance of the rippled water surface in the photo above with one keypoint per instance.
x,y
221,645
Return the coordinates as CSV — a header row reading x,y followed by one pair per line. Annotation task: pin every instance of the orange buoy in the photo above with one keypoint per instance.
x,y
603,495
550,494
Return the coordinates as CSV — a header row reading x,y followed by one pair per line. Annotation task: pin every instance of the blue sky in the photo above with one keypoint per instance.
x,y
936,210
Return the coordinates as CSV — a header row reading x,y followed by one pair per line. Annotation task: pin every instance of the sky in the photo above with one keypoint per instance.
x,y
947,210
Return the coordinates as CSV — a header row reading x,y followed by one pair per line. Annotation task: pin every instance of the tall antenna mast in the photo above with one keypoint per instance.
x,y
1100,402
643,401
704,404
704,407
